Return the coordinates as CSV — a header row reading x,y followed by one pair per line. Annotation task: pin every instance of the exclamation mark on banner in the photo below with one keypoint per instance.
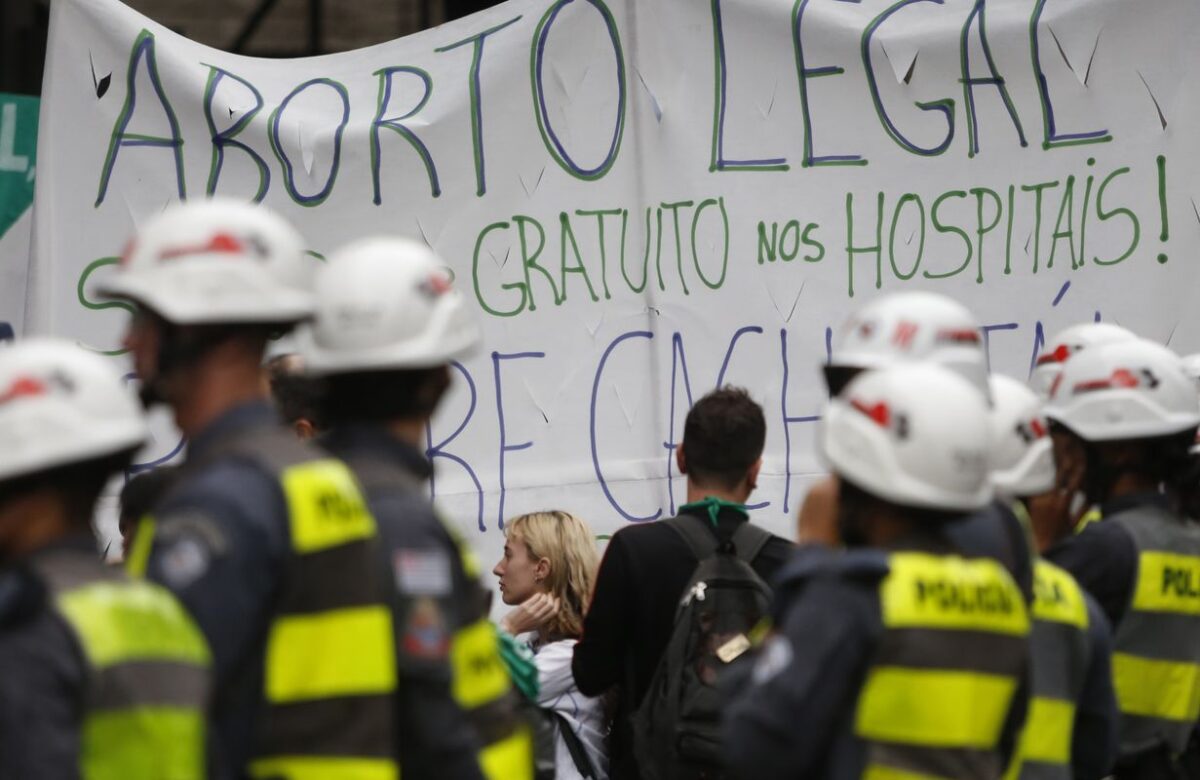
x,y
1162,205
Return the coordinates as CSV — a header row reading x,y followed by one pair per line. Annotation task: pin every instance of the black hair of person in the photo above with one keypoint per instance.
x,y
79,484
837,377
143,491
382,396
723,437
296,396
1160,459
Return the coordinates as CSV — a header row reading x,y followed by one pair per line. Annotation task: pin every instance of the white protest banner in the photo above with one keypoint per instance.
x,y
644,200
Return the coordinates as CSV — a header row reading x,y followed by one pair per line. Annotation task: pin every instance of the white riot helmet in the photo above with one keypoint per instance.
x,y
216,262
60,404
1022,455
1191,367
385,304
1127,390
912,434
911,326
1068,342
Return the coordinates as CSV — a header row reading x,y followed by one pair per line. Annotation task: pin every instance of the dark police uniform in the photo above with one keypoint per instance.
x,y
1142,563
268,543
102,676
457,702
885,664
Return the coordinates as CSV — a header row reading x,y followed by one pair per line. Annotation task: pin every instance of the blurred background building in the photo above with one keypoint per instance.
x,y
261,28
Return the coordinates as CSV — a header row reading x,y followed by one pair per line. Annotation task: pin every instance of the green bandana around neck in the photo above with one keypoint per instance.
x,y
714,506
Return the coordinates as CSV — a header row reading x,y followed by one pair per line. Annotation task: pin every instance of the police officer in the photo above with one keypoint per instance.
x,y
388,325
1071,729
100,676
904,328
1123,417
266,540
897,658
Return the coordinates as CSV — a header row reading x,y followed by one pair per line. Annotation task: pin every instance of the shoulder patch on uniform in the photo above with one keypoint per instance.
x,y
426,634
187,543
775,656
422,572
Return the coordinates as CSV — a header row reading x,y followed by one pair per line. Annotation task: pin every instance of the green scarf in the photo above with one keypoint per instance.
x,y
714,506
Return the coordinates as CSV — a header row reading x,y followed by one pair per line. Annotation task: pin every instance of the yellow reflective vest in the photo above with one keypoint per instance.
x,y
1060,652
1156,658
939,691
148,677
330,661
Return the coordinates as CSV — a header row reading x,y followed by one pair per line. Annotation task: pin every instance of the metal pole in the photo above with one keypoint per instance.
x,y
315,26
251,26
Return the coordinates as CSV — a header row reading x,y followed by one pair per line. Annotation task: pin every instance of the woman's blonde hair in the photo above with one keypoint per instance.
x,y
565,541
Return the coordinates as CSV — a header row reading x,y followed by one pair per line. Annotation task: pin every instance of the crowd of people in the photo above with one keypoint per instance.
x,y
998,578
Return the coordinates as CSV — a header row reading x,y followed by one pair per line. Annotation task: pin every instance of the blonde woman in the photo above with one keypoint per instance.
x,y
547,571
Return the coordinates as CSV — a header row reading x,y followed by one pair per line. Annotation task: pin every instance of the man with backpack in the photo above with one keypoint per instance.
x,y
674,600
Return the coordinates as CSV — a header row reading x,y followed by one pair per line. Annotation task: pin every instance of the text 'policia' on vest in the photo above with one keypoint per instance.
x,y
1156,665
1128,412
897,658
940,658
1060,649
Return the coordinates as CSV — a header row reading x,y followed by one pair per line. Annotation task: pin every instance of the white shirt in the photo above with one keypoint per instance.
x,y
585,715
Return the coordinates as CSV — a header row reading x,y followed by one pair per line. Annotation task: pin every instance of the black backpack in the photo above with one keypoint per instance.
x,y
676,729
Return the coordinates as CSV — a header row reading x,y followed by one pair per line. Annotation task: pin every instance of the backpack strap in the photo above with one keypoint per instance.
x,y
583,762
749,540
699,538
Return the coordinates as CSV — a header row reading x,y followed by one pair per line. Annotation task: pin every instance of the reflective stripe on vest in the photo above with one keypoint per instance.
x,y
942,682
1156,649
148,676
325,768
1060,651
139,551
1093,515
